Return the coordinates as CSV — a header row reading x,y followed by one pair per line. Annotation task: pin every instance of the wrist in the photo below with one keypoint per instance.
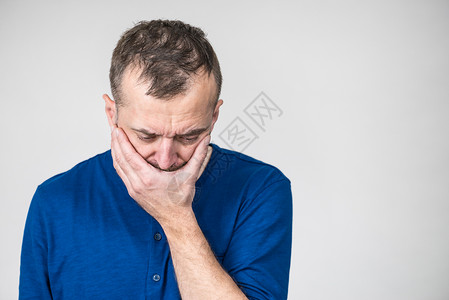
x,y
180,225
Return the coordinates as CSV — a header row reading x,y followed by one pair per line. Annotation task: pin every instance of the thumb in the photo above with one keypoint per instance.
x,y
198,157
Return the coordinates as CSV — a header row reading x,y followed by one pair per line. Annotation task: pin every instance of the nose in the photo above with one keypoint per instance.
x,y
166,154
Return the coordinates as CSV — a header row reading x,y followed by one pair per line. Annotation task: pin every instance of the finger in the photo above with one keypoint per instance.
x,y
113,144
128,152
122,159
198,157
115,150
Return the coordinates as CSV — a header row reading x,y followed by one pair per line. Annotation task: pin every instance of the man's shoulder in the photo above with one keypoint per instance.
x,y
77,175
241,165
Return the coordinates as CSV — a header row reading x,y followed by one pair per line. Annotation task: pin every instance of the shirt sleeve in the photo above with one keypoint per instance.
x,y
34,282
258,256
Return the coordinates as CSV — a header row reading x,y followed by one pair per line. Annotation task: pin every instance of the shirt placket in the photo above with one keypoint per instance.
x,y
158,255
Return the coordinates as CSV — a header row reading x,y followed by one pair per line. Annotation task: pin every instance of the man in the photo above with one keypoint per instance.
x,y
164,214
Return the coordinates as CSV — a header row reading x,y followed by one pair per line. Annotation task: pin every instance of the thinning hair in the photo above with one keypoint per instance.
x,y
168,53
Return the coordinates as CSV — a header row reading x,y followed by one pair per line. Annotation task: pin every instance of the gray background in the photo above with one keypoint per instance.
x,y
364,90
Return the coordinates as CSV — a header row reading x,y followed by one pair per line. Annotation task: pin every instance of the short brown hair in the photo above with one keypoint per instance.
x,y
168,52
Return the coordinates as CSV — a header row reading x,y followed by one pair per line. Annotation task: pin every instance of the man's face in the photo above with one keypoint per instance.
x,y
165,132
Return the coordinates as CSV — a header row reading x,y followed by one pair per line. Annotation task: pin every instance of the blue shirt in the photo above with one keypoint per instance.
x,y
86,238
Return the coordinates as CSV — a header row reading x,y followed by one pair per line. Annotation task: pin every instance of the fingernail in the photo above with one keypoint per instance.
x,y
116,131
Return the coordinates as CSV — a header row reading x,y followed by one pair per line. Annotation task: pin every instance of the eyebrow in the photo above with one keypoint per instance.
x,y
196,131
192,132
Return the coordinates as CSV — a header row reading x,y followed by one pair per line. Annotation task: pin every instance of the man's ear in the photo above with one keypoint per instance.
x,y
216,113
111,110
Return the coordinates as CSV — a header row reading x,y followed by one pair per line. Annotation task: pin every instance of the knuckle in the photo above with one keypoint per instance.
x,y
128,156
136,166
117,160
147,181
133,190
132,193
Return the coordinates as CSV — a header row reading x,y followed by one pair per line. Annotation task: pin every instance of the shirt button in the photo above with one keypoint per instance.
x,y
157,236
156,277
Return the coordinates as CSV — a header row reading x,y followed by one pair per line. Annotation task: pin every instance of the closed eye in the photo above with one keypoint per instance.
x,y
187,139
146,138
